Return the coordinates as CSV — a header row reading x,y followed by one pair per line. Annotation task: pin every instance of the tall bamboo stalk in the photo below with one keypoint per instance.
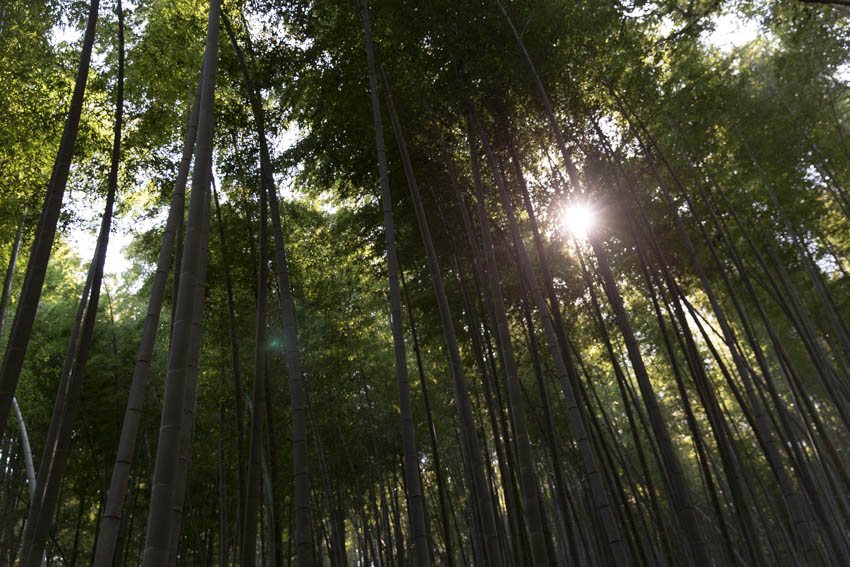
x,y
45,232
564,368
297,385
258,417
10,271
416,501
114,510
192,281
56,449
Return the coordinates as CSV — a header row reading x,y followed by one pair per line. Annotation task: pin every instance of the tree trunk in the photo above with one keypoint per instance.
x,y
19,337
10,271
187,422
234,354
565,368
297,385
276,522
432,433
56,449
416,500
223,528
337,535
258,417
27,450
192,282
110,527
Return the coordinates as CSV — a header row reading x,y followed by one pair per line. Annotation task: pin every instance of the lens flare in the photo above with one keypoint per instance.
x,y
578,219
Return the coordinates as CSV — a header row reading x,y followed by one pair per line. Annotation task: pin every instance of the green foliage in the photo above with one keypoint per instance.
x,y
751,142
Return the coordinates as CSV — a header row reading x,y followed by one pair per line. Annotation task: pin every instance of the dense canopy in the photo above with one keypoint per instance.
x,y
498,283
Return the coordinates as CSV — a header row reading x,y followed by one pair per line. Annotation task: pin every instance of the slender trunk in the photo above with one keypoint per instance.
x,y
379,551
615,450
258,417
27,450
565,368
416,500
234,354
181,224
99,515
337,536
276,523
187,423
52,464
81,501
268,504
110,527
527,475
192,283
223,556
128,539
297,385
10,271
397,521
432,433
384,520
45,233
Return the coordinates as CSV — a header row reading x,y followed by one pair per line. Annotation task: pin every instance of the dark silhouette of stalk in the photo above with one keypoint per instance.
x,y
564,368
45,232
234,356
258,417
192,283
113,513
297,385
56,449
187,424
416,501
432,433
10,271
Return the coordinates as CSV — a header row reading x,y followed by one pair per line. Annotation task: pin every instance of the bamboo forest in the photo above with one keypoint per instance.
x,y
501,283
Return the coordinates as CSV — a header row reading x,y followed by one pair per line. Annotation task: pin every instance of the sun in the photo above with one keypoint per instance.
x,y
578,219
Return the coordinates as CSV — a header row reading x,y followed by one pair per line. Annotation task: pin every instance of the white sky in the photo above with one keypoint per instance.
x,y
82,236
730,32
